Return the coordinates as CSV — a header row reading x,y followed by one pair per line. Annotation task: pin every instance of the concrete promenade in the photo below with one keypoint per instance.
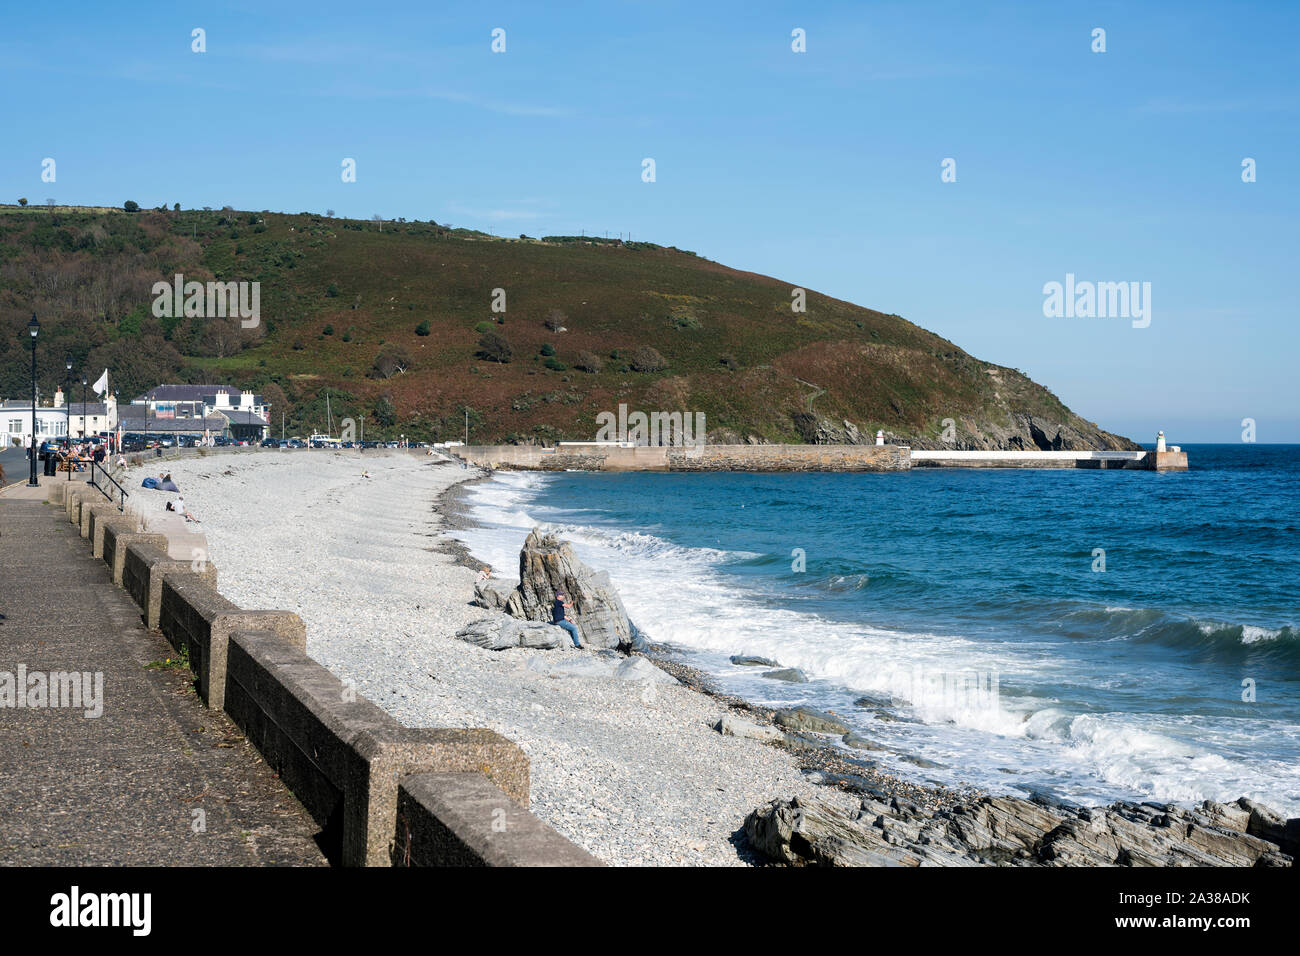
x,y
157,778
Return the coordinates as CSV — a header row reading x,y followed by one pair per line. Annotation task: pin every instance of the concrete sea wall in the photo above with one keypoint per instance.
x,y
383,794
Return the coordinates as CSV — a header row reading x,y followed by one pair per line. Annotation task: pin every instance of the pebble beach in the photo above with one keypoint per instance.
x,y
631,771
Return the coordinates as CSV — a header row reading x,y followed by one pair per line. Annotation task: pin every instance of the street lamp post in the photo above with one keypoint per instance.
x,y
34,328
83,407
67,406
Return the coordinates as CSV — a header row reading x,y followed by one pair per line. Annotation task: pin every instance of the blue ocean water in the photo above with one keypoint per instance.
x,y
1097,635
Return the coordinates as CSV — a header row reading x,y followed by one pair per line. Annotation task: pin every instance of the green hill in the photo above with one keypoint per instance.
x,y
391,317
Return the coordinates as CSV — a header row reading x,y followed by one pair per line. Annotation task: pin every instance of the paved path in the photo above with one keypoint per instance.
x,y
158,778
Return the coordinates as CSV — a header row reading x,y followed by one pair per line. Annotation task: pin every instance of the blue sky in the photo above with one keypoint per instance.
x,y
821,168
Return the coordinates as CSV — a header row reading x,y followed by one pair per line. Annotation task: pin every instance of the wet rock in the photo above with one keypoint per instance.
x,y
920,762
791,674
859,743
809,719
744,661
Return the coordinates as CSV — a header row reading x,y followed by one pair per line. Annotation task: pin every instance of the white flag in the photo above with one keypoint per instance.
x,y
101,384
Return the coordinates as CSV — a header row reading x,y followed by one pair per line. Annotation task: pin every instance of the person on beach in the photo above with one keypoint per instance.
x,y
560,618
179,506
485,573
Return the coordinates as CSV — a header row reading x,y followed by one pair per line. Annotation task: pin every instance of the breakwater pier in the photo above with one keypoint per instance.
x,y
614,457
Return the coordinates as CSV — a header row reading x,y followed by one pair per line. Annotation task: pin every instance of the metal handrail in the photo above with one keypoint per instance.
x,y
122,492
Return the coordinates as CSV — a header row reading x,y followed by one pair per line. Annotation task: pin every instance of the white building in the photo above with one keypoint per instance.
x,y
16,423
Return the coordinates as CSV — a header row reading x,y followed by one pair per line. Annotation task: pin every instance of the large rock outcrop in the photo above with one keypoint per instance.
x,y
548,566
1009,831
1019,432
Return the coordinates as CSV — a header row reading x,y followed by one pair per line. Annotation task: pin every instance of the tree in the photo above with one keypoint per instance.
x,y
332,291
329,213
588,362
385,414
131,206
646,359
23,201
422,328
494,348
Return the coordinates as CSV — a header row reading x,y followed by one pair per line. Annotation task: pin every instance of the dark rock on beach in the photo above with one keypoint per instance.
x,y
808,719
1010,831
791,674
743,661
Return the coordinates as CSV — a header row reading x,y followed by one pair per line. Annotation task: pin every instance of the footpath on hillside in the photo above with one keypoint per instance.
x,y
130,768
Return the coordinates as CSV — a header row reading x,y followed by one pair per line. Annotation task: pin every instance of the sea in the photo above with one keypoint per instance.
x,y
1090,635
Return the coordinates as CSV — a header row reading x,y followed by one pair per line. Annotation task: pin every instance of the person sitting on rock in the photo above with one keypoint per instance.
x,y
560,618
486,573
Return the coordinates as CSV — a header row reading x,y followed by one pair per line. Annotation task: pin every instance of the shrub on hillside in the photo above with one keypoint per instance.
x,y
729,361
422,328
484,327
556,365
646,359
588,362
494,348
130,206
548,349
391,361
333,290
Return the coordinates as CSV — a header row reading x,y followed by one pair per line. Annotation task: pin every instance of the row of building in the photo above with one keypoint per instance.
x,y
199,410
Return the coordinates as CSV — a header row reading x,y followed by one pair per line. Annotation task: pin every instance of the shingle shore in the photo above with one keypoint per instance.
x,y
632,772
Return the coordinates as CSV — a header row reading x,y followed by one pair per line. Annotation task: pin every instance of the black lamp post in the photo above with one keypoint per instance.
x,y
67,405
83,407
34,328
